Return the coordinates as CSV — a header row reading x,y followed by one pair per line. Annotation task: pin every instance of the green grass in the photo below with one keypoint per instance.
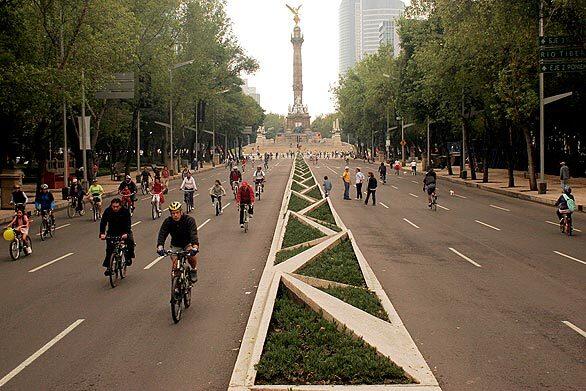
x,y
303,348
298,178
306,175
283,255
297,233
360,298
314,193
310,182
338,264
297,203
323,213
297,187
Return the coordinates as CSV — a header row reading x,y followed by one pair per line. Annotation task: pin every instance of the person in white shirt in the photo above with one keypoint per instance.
x,y
189,187
259,177
413,167
360,178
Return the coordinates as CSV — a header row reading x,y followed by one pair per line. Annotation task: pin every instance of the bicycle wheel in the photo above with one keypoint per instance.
x,y
113,271
82,210
70,210
122,268
176,299
569,227
187,297
14,250
51,229
43,230
154,211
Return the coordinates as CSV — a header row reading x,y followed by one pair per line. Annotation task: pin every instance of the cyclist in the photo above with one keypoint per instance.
x,y
128,184
245,196
119,224
563,201
429,184
259,178
267,157
145,177
183,231
95,193
76,192
157,191
188,186
217,192
45,202
235,176
243,164
382,170
19,198
20,223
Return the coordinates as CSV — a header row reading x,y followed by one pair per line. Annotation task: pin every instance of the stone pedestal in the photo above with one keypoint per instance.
x,y
8,178
336,139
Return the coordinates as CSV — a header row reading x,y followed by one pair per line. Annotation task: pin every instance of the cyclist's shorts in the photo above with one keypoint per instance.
x,y
97,199
431,188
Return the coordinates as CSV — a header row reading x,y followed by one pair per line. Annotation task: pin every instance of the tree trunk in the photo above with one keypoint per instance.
x,y
472,158
511,162
530,158
485,157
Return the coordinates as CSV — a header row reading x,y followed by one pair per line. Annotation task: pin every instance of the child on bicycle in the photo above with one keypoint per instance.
x,y
217,192
20,224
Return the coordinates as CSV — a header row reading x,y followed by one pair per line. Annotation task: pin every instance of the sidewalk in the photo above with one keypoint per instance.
x,y
498,181
110,189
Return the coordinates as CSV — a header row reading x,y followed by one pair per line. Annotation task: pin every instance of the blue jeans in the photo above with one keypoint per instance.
x,y
346,190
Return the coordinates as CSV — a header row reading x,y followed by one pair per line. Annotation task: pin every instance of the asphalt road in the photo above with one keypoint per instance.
x,y
63,328
496,325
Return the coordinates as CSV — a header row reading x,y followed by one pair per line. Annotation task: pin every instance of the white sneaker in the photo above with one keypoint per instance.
x,y
241,225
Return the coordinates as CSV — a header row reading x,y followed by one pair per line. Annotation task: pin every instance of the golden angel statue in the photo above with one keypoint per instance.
x,y
295,12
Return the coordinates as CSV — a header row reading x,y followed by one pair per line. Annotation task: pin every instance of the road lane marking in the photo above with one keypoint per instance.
x,y
39,352
569,324
570,257
332,170
50,263
227,205
464,257
414,182
137,223
411,223
384,205
459,196
487,225
500,208
395,187
166,209
153,263
558,224
413,195
442,207
61,226
145,198
204,223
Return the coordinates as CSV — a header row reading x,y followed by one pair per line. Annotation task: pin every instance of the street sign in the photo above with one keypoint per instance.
x,y
579,66
557,41
561,53
247,130
121,88
403,143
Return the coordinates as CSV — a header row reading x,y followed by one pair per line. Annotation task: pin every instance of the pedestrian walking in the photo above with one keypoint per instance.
x,y
327,186
346,180
371,189
414,167
165,174
360,178
564,175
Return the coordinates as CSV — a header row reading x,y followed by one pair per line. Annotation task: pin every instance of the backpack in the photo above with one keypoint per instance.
x,y
571,203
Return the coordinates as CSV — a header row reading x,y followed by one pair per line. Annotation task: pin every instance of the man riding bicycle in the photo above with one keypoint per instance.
x,y
128,184
429,184
189,187
18,198
95,193
119,224
145,177
245,197
259,177
562,203
76,192
45,202
183,231
382,170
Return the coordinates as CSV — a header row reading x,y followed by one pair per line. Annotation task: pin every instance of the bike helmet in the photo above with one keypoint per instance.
x,y
175,206
128,177
235,168
44,186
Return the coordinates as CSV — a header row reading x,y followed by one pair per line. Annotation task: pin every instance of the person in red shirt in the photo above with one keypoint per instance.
x,y
157,193
245,196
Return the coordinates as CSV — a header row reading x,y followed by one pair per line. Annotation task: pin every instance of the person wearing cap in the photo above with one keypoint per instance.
x,y
346,180
76,192
564,175
18,198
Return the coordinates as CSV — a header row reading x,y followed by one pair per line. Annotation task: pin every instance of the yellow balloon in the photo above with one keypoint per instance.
x,y
9,235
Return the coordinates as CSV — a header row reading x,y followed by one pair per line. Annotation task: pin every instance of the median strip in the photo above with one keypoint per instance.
x,y
487,225
50,263
464,257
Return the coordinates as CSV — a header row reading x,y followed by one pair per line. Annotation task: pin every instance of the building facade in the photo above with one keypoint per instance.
x,y
388,35
251,91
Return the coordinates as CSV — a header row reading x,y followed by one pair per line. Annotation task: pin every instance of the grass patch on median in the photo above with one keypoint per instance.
x,y
283,255
303,348
297,187
314,193
337,264
323,213
298,178
310,182
297,233
360,298
297,203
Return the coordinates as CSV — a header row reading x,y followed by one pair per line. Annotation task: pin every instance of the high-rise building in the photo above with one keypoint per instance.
x,y
251,91
388,35
347,28
375,12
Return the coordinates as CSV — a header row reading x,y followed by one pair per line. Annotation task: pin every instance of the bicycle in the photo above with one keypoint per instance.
x,y
144,187
16,246
188,198
433,202
73,206
258,188
246,218
118,267
156,206
383,179
235,186
47,227
96,214
566,225
180,284
128,203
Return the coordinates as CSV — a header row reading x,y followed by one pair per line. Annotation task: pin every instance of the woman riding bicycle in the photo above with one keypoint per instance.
x,y
20,224
95,193
216,193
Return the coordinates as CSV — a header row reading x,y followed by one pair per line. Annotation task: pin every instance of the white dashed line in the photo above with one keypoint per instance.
x,y
570,257
204,223
558,224
459,196
395,187
227,205
569,324
464,257
442,207
332,170
414,182
413,195
487,225
50,263
153,263
384,205
39,352
500,208
57,228
137,223
410,223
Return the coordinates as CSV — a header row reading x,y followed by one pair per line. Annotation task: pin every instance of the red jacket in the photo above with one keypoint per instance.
x,y
245,195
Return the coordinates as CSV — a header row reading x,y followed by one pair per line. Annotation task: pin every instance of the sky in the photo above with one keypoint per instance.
x,y
264,28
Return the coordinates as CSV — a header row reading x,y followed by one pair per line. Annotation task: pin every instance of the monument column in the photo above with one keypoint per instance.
x,y
297,41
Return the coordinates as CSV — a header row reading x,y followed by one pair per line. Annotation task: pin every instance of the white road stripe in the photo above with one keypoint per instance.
x,y
227,205
204,223
464,257
137,223
39,352
145,198
395,187
410,223
50,263
459,196
166,209
570,257
332,170
153,263
384,205
61,226
442,207
413,195
558,224
488,225
569,324
500,207
414,182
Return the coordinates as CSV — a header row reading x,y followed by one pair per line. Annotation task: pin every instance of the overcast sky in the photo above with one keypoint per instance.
x,y
264,30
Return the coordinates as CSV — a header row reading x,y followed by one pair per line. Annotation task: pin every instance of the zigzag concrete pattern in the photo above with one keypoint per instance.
x,y
390,339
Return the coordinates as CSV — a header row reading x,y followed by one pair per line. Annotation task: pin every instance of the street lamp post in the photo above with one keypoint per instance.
x,y
171,69
403,142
